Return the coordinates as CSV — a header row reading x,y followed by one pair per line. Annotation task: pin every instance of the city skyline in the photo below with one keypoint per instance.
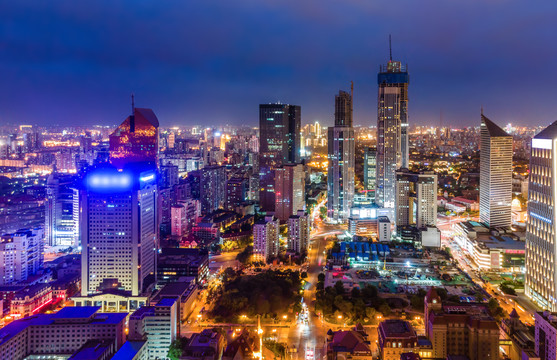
x,y
67,61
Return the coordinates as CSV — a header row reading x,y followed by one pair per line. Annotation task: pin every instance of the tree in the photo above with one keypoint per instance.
x,y
304,275
176,348
339,287
321,277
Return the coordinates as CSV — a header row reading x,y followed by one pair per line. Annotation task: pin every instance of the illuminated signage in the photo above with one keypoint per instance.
x,y
147,177
109,181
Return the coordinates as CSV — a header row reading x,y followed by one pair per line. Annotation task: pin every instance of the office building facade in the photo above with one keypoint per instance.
x,y
496,172
279,144
341,156
541,248
60,223
392,130
118,229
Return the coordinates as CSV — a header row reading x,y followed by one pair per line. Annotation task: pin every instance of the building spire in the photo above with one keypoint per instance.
x,y
390,49
482,110
133,105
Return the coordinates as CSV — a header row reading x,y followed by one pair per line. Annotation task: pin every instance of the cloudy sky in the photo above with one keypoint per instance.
x,y
213,62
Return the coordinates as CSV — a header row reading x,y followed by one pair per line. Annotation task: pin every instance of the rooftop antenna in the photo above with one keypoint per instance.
x,y
133,104
481,110
132,117
390,49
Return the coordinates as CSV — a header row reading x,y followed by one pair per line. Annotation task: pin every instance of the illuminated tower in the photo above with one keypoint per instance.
x,y
392,129
118,229
341,149
136,139
541,227
279,144
370,169
496,172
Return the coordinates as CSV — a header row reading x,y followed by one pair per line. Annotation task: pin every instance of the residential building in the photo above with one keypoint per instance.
x,y
392,129
279,144
236,192
351,344
21,255
416,198
541,248
178,220
266,238
212,188
289,190
341,159
158,325
118,229
370,170
496,163
298,232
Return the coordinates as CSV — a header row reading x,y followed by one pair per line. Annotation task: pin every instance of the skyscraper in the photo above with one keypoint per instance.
x,y
392,129
118,229
212,186
136,139
341,149
279,143
370,169
541,248
496,161
60,224
289,190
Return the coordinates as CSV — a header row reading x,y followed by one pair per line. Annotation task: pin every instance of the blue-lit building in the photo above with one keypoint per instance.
x,y
118,229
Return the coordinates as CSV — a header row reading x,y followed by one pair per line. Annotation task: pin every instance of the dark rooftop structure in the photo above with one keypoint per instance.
x,y
492,128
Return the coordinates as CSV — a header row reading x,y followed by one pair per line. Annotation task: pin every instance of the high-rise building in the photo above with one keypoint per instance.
x,y
370,169
541,248
392,129
157,324
265,238
178,220
416,198
212,188
341,152
545,335
236,192
496,173
118,229
21,255
279,144
168,175
289,190
136,139
298,232
60,224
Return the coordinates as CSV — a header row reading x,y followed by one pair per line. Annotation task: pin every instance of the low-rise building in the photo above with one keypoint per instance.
x,y
64,332
517,338
396,337
184,292
352,344
30,300
206,345
176,263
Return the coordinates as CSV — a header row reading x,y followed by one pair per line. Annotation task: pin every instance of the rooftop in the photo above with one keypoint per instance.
x,y
492,128
396,328
129,350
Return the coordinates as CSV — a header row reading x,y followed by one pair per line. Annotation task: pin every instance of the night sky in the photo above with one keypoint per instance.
x,y
213,62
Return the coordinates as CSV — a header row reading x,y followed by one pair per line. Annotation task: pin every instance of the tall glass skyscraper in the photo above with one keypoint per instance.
x,y
392,129
341,151
496,162
541,247
279,144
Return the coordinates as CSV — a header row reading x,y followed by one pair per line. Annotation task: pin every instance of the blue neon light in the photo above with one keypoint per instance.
x,y
540,217
109,181
147,178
